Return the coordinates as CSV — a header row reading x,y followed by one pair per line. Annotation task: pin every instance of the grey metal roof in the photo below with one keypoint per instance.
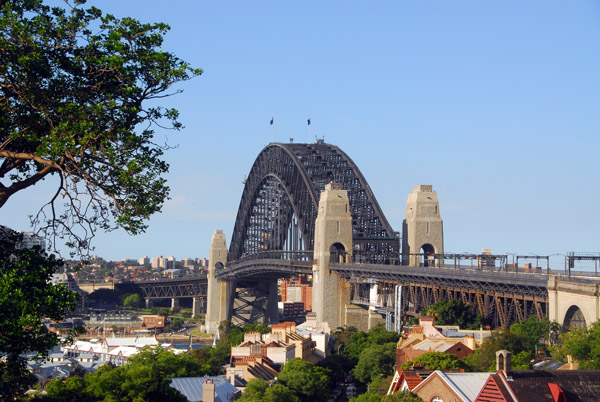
x,y
191,388
469,384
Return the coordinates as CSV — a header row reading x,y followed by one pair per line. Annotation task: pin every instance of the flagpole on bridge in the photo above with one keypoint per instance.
x,y
272,130
308,121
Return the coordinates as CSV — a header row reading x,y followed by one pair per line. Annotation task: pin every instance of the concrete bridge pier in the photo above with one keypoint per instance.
x,y
333,242
272,313
573,304
149,303
197,304
217,300
174,302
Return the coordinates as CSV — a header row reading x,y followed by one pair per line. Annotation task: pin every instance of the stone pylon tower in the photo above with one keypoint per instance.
x,y
333,242
422,229
216,307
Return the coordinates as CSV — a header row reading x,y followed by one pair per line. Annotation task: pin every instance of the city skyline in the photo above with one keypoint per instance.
x,y
495,105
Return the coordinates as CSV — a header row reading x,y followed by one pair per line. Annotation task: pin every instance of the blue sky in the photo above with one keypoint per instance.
x,y
495,103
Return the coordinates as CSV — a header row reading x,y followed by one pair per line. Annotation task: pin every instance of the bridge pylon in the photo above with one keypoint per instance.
x,y
218,304
333,243
422,229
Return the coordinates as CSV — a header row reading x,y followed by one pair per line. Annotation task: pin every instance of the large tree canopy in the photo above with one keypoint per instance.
x,y
76,102
27,297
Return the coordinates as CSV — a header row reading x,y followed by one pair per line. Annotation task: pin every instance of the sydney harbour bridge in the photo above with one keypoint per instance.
x,y
375,275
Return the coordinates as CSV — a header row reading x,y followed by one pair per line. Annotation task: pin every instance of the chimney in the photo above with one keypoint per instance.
x,y
503,361
208,391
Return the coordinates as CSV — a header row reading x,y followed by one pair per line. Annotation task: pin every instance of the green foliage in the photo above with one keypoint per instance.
x,y
144,378
404,396
453,312
215,357
375,361
583,345
484,358
255,390
233,335
366,397
337,365
26,297
307,381
133,301
377,335
341,337
74,103
259,391
533,330
436,361
357,343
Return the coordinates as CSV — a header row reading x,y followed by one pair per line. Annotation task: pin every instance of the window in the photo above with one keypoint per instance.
x,y
437,399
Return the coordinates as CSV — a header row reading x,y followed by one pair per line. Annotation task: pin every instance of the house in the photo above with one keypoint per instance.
x,y
539,385
318,332
198,389
442,386
425,338
286,332
407,380
278,352
250,367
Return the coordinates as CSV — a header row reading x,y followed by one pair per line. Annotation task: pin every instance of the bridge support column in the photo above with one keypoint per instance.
x,y
333,238
422,228
197,304
272,314
174,302
217,304
149,303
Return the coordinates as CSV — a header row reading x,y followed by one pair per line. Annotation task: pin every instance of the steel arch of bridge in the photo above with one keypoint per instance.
x,y
279,203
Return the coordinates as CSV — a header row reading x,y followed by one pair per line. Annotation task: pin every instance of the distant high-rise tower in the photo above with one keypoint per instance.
x,y
422,229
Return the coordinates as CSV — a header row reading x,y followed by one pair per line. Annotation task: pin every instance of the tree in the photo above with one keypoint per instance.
x,y
133,300
27,296
144,378
402,396
215,357
307,381
255,390
259,391
533,330
74,97
583,344
374,362
453,312
484,358
436,361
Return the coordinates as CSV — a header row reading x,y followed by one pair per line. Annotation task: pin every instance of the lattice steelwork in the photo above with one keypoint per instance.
x,y
502,297
280,200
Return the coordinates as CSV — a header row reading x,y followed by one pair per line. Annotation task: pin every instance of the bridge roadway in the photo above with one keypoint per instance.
x,y
167,288
532,284
502,297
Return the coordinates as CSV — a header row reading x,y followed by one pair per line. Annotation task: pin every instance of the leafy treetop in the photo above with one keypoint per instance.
x,y
79,92
27,296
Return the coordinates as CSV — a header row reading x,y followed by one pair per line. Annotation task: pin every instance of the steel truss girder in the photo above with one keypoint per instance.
x,y
504,298
250,300
195,287
266,268
285,183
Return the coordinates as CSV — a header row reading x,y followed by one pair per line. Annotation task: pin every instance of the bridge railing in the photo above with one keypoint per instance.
x,y
293,255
